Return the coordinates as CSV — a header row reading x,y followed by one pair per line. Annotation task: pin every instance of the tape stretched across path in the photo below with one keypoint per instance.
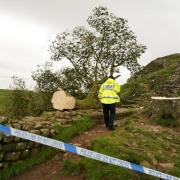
x,y
83,152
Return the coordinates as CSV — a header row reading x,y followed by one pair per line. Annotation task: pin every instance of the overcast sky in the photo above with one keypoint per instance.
x,y
27,28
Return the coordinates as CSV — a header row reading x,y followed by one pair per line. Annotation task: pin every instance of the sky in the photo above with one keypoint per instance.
x,y
27,28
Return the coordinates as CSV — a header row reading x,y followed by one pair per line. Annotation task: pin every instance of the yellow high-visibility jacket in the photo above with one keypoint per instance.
x,y
108,92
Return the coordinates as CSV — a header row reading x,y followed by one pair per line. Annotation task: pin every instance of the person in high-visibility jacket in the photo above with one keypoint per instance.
x,y
108,97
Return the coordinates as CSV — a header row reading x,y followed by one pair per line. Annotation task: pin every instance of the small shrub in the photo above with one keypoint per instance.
x,y
133,90
18,104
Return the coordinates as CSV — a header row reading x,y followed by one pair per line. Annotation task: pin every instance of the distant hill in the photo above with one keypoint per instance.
x,y
161,77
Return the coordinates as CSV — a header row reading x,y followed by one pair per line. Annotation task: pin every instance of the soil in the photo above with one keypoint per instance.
x,y
51,169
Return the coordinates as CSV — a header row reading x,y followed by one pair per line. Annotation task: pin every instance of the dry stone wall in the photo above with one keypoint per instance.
x,y
13,149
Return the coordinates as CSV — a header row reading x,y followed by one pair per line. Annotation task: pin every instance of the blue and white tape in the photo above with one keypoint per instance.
x,y
84,152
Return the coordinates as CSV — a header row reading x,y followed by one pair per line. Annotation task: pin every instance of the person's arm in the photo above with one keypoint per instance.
x,y
100,92
117,88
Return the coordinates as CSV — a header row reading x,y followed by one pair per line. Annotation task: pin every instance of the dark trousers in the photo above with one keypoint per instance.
x,y
109,111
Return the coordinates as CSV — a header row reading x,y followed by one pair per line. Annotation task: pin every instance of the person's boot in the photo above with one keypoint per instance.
x,y
111,128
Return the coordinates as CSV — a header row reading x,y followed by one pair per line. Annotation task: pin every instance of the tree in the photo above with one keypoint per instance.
x,y
21,101
17,107
47,83
96,54
71,83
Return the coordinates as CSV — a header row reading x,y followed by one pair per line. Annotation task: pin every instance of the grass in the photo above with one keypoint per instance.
x,y
4,98
139,146
71,167
150,80
63,134
167,122
176,170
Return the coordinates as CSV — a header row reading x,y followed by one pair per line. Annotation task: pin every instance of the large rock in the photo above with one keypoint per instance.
x,y
21,145
14,156
25,153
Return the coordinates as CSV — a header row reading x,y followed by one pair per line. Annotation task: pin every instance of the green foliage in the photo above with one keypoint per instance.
x,y
95,55
10,101
18,104
47,83
35,103
75,86
132,91
21,102
47,152
66,78
4,99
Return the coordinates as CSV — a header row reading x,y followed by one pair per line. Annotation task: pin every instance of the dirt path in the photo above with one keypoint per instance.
x,y
50,170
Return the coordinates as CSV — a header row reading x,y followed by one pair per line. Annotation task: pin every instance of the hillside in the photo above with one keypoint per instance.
x,y
161,77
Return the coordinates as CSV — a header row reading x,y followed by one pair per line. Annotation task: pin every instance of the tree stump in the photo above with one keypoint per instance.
x,y
166,107
61,101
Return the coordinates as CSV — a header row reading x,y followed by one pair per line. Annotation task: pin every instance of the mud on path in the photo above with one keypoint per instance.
x,y
50,170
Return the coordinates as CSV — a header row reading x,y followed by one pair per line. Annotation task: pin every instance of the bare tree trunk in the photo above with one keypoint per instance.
x,y
91,100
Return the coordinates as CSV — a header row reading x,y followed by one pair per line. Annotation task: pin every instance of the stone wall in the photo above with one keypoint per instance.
x,y
13,149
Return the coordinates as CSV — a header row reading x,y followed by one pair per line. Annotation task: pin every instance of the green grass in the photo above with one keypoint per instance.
x,y
150,81
167,122
176,171
63,134
71,167
4,98
137,147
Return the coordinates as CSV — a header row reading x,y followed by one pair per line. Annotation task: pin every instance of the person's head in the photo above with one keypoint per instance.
x,y
111,77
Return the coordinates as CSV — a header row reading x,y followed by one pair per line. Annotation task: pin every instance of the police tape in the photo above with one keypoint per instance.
x,y
83,152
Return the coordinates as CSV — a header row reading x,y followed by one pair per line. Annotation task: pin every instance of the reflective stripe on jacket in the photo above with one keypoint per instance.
x,y
108,92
